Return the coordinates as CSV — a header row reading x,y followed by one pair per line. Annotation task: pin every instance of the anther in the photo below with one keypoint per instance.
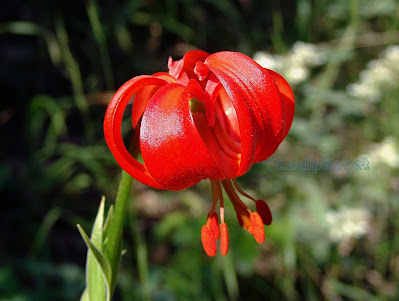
x,y
264,212
208,240
241,209
213,223
224,240
257,226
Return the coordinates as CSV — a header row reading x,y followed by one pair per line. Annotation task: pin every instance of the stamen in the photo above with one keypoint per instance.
x,y
221,213
243,213
208,240
257,224
213,223
229,188
241,191
240,221
243,217
224,233
251,221
224,240
264,212
220,193
212,220
215,195
261,206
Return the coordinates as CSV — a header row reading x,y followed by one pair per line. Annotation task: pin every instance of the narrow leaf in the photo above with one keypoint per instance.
x,y
107,225
85,296
100,260
94,277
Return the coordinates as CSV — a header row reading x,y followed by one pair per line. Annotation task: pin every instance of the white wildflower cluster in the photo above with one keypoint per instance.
x,y
346,223
294,65
380,74
386,152
268,60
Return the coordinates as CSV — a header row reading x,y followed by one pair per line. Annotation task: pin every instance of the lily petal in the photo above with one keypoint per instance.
x,y
260,93
217,142
112,128
183,69
144,95
171,145
288,99
254,95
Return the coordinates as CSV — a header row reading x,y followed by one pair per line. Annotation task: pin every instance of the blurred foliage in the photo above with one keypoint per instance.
x,y
61,60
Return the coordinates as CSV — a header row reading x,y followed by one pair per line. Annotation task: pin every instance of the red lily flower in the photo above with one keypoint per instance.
x,y
210,117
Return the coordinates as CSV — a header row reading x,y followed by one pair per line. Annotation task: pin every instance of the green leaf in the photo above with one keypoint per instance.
x,y
102,263
85,296
107,224
95,281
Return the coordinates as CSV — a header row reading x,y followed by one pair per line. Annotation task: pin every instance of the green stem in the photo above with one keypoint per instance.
x,y
113,246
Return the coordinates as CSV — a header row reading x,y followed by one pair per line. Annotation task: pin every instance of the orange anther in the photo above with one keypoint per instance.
x,y
224,240
208,240
264,212
214,224
257,225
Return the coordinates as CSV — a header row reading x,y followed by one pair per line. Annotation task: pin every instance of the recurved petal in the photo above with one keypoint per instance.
x,y
245,121
257,102
288,99
191,59
144,95
186,65
171,146
112,128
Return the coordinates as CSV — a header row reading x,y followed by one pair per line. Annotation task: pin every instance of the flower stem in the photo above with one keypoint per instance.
x,y
114,239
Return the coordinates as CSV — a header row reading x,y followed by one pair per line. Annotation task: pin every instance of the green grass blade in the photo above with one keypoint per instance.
x,y
100,39
52,216
103,266
142,257
230,277
75,76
